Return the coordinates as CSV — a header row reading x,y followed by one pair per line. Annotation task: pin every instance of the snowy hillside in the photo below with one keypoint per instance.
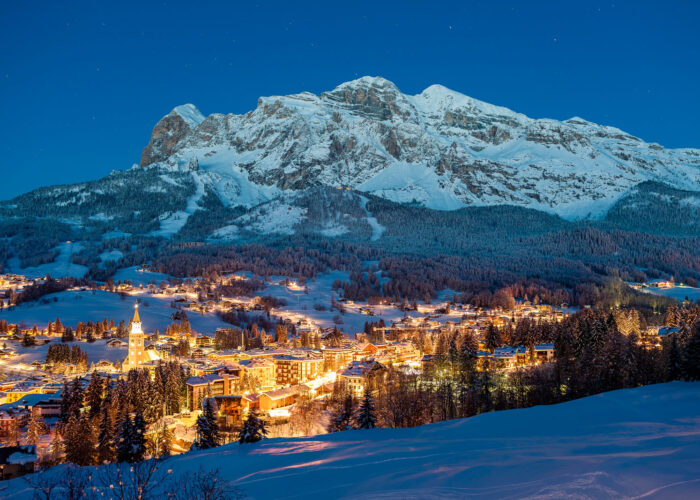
x,y
633,443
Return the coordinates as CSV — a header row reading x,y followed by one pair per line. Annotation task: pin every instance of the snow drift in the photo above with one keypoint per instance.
x,y
632,443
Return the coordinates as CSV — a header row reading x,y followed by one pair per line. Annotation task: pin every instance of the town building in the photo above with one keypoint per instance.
x,y
293,370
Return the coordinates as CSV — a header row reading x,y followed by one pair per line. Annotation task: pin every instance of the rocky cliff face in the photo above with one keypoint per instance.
x,y
169,132
439,149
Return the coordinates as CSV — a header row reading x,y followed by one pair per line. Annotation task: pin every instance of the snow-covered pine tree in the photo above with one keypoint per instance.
x,y
80,441
65,402
105,439
55,452
253,429
365,417
469,351
163,442
342,419
123,445
36,427
93,394
138,439
493,338
207,427
172,389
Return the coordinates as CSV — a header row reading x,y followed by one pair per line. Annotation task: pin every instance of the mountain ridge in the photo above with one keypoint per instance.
x,y
274,169
440,149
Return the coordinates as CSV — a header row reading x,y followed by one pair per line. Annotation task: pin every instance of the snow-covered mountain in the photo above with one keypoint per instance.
x,y
439,149
307,163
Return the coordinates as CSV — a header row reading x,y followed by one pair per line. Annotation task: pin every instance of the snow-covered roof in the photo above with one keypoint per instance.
x,y
286,392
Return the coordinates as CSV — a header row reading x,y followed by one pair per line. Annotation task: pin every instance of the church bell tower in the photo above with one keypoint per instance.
x,y
137,352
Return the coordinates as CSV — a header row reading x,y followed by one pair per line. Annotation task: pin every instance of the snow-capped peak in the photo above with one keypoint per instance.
x,y
367,81
190,114
438,98
440,149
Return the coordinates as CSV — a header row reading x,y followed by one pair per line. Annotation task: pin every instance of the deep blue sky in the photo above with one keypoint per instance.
x,y
82,84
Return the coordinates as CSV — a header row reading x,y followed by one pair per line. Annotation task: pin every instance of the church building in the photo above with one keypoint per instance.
x,y
138,354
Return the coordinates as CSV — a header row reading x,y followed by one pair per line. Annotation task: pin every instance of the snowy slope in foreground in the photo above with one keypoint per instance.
x,y
636,443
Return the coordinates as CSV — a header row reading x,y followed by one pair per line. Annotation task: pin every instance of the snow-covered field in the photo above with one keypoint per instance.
x,y
138,277
96,351
635,443
301,304
60,267
74,306
679,292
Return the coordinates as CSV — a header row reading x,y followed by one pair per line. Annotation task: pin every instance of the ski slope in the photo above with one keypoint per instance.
x,y
635,443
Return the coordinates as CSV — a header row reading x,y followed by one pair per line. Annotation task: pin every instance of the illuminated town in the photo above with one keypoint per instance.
x,y
281,373
379,250
292,372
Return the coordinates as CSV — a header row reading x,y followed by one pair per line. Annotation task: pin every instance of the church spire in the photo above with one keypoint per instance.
x,y
136,321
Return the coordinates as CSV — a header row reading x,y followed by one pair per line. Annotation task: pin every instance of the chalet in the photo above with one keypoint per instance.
x,y
365,350
48,408
544,352
280,398
356,375
17,461
117,343
232,408
20,390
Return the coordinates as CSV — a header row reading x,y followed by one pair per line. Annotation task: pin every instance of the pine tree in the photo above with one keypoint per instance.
x,y
469,355
162,441
105,441
138,439
448,408
65,402
253,429
207,427
58,327
36,427
28,340
71,399
453,353
485,382
56,451
493,338
80,441
172,389
672,316
674,365
342,420
123,448
691,356
93,394
365,417
67,335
